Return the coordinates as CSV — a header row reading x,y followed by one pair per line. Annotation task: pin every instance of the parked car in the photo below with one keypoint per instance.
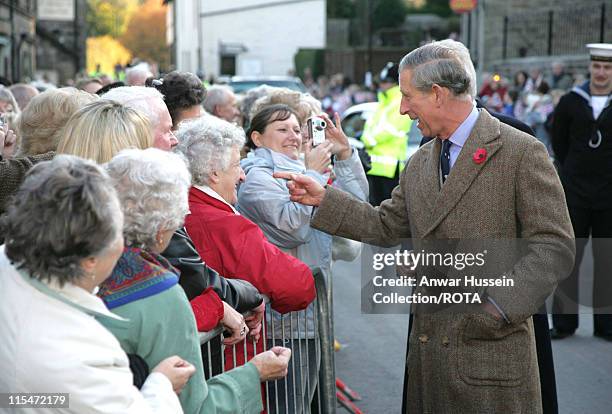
x,y
241,84
355,117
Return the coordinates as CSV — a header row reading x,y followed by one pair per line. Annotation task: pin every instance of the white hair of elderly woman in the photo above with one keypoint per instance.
x,y
138,98
207,143
153,186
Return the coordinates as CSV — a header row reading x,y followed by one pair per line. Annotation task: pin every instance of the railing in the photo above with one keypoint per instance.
x,y
555,32
310,385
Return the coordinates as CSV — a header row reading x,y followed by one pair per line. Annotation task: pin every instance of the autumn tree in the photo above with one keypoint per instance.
x,y
109,17
106,52
145,35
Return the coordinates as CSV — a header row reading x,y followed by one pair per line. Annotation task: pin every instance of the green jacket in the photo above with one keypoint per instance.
x,y
385,134
163,325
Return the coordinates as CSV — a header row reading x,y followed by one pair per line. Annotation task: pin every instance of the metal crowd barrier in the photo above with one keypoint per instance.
x,y
310,385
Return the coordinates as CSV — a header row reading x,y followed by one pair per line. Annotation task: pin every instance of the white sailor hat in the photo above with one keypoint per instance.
x,y
600,51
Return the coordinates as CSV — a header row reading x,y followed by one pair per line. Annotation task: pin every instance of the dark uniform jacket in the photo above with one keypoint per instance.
x,y
196,276
583,149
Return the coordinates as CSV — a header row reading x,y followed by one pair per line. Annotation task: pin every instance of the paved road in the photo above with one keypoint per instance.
x,y
372,361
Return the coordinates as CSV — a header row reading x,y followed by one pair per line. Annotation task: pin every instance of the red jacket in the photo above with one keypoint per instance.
x,y
236,248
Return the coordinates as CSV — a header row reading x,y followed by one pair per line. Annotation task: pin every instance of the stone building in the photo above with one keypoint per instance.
x,y
61,34
17,39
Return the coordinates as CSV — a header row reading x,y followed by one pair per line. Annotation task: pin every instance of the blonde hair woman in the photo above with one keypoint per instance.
x,y
40,123
101,129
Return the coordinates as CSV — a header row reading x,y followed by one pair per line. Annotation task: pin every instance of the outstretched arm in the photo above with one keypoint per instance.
x,y
341,214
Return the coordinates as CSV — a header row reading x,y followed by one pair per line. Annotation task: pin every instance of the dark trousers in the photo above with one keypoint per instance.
x,y
598,224
546,367
381,187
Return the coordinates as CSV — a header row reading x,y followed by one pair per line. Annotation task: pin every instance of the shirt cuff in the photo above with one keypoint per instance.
x,y
348,163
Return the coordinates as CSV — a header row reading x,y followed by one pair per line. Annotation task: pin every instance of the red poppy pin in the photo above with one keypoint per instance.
x,y
480,156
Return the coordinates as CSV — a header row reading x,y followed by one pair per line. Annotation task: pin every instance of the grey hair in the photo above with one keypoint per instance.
x,y
249,99
23,93
153,186
463,54
216,95
138,98
7,96
65,211
436,63
137,74
303,104
207,143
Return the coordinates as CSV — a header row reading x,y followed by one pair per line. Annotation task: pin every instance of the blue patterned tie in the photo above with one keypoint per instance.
x,y
445,159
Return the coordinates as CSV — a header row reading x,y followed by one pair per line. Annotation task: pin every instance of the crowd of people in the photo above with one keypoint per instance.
x,y
133,194
530,96
136,214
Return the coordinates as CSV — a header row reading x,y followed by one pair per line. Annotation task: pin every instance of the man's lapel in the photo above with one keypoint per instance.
x,y
430,177
484,135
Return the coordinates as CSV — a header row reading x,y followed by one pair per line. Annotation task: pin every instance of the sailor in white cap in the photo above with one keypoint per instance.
x,y
582,143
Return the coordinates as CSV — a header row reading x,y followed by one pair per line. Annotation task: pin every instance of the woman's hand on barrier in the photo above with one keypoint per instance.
x,y
235,323
302,188
319,157
253,321
272,364
177,370
334,134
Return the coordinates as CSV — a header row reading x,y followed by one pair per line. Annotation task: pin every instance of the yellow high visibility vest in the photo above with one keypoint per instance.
x,y
385,135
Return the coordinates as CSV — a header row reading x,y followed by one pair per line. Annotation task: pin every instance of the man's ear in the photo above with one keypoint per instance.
x,y
256,138
440,94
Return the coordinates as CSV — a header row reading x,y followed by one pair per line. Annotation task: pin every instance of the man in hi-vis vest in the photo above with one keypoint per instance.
x,y
385,137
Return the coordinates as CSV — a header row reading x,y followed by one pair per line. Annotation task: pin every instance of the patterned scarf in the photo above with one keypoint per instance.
x,y
138,274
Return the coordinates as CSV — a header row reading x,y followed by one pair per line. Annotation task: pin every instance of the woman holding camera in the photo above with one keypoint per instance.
x,y
276,133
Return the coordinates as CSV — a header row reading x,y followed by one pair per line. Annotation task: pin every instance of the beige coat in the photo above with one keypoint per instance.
x,y
470,362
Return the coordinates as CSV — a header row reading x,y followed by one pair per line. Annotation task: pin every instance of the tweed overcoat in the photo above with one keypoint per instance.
x,y
471,362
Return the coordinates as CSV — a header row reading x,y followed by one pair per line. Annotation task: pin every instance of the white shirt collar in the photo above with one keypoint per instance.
x,y
207,190
463,131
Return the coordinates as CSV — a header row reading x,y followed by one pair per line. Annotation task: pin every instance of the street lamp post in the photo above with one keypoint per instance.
x,y
14,56
77,51
368,19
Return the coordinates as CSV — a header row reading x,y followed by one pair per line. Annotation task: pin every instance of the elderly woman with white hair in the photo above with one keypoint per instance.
x,y
63,239
152,186
228,242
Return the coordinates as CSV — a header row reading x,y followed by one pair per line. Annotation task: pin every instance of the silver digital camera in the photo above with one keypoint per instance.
x,y
316,130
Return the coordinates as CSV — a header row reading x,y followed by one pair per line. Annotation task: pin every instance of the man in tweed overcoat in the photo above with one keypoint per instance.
x,y
479,179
